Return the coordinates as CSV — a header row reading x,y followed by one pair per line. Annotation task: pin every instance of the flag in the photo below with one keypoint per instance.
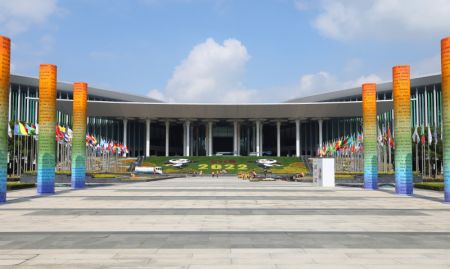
x,y
430,137
31,129
435,135
350,141
9,131
385,138
62,129
380,137
415,136
69,133
361,137
389,138
20,129
422,135
338,145
58,134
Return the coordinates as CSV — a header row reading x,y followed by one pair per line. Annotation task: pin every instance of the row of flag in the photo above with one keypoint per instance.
x,y
385,137
22,128
64,134
105,146
342,146
425,136
354,143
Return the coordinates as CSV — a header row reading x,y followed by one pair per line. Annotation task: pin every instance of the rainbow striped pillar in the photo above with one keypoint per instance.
x,y
79,135
401,91
5,58
47,126
445,67
369,108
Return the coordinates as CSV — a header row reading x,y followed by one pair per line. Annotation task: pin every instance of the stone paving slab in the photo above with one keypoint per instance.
x,y
227,211
224,223
205,240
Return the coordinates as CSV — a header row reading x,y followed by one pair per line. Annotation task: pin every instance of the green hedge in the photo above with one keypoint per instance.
x,y
19,185
435,186
13,178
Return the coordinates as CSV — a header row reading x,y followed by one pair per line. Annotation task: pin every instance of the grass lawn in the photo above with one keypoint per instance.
x,y
232,164
18,185
435,186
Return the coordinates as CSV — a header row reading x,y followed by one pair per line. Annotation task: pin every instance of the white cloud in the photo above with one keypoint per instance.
x,y
322,81
156,94
212,72
301,5
355,19
17,16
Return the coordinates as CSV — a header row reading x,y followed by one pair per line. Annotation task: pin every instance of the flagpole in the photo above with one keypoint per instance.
x,y
20,154
417,124
14,151
429,137
435,126
384,148
422,123
426,130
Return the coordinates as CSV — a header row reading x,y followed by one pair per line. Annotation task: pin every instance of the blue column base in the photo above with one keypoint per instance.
x,y
46,189
2,197
404,190
45,180
78,184
370,186
78,176
370,180
447,197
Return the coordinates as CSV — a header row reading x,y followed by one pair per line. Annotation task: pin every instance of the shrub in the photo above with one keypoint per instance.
x,y
104,175
435,186
19,185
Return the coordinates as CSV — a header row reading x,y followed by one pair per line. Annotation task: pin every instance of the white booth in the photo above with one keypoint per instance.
x,y
323,172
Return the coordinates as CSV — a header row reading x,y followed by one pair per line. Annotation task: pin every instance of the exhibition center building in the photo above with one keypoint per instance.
x,y
295,127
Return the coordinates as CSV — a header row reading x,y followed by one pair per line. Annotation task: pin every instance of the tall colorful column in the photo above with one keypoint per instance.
x,y
5,60
47,129
79,135
369,109
445,68
401,91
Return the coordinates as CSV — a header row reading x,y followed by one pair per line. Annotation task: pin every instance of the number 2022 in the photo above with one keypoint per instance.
x,y
228,166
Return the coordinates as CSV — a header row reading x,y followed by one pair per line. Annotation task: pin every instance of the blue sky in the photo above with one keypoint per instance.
x,y
225,50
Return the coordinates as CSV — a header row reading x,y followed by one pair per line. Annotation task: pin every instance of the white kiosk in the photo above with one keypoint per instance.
x,y
323,172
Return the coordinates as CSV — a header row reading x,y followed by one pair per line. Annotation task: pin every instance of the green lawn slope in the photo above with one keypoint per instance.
x,y
232,164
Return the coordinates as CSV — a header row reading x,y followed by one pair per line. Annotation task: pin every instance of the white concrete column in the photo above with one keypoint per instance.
x,y
28,105
239,140
297,138
258,137
167,137
235,138
188,138
18,105
278,138
206,140
10,105
261,139
125,125
184,138
147,138
320,133
210,138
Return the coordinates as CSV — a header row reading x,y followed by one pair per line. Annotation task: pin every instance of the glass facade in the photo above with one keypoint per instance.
x,y
426,110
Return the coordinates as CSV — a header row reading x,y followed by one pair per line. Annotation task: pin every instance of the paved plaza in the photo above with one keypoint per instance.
x,y
205,223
